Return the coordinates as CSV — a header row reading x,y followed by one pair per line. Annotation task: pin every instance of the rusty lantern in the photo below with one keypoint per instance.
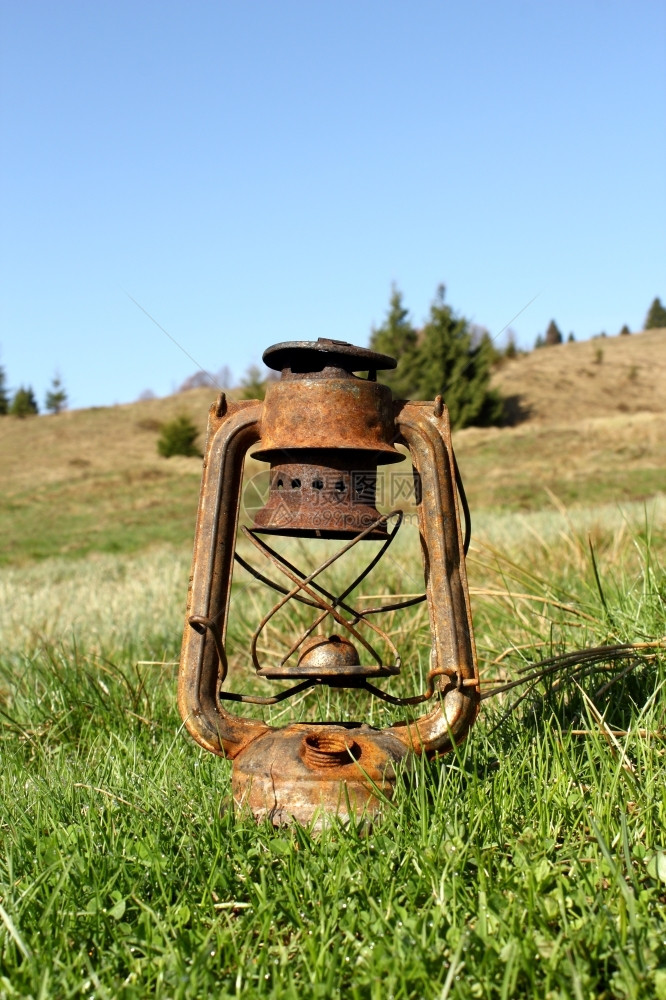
x,y
324,430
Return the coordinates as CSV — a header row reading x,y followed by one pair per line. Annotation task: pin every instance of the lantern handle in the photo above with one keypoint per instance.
x,y
232,430
200,623
463,500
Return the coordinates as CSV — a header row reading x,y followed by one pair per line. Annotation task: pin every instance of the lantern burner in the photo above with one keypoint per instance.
x,y
325,494
324,432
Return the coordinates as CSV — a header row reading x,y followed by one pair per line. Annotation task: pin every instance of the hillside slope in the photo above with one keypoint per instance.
x,y
91,480
593,378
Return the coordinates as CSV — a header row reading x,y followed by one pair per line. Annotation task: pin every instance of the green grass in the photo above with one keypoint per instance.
x,y
110,513
584,464
530,863
581,490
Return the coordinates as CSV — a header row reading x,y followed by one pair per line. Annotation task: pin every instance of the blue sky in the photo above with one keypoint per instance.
x,y
259,171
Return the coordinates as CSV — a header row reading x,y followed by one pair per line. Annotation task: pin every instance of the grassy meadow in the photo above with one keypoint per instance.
x,y
531,862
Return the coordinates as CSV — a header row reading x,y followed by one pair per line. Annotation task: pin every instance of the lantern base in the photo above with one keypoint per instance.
x,y
306,773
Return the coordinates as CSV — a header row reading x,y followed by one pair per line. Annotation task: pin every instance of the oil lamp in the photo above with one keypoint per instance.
x,y
324,429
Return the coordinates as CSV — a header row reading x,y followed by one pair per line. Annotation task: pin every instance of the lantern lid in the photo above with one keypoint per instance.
x,y
314,355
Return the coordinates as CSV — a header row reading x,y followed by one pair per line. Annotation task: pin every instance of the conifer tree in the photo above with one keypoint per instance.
x,y
447,362
4,396
656,317
253,384
553,334
178,437
56,397
397,338
24,403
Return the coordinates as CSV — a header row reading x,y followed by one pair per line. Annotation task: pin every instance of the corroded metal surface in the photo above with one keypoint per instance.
x,y
426,431
305,772
332,659
329,604
325,494
324,432
232,430
320,422
340,411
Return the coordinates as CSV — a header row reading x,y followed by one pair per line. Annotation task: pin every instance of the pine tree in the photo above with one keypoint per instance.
x,y
447,362
24,403
178,437
253,385
397,338
4,396
656,317
553,334
625,331
56,397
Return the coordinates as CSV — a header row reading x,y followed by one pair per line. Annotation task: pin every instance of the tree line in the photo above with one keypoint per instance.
x,y
655,320
447,355
452,357
23,402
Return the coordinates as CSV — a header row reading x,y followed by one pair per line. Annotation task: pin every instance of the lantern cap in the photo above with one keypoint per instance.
x,y
314,355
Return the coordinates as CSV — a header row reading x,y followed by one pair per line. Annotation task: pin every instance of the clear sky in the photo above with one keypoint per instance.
x,y
252,171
